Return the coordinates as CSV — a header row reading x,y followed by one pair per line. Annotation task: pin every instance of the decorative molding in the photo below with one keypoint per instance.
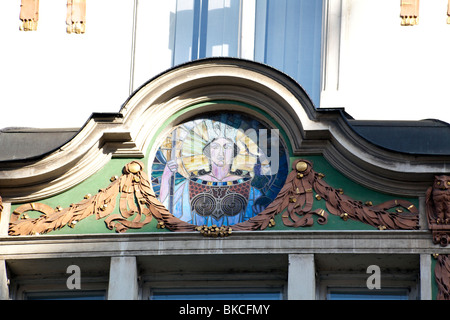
x,y
245,242
448,12
180,91
76,16
1,208
137,200
5,214
438,210
29,15
295,202
139,203
409,12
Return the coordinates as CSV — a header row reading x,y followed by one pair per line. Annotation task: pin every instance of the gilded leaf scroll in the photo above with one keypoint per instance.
x,y
138,205
296,198
442,276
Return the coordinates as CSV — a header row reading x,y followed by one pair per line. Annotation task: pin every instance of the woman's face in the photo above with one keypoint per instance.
x,y
222,151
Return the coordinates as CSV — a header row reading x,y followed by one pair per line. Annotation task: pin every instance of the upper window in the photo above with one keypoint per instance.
x,y
285,34
66,295
217,294
206,28
288,37
366,294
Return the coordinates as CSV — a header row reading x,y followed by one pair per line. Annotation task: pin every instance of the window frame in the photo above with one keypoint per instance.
x,y
370,293
64,294
214,282
49,276
199,39
22,290
202,291
347,281
302,50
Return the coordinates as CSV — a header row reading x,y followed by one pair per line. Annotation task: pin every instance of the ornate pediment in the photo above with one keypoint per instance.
x,y
144,132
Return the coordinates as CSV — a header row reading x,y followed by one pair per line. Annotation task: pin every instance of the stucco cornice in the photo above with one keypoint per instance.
x,y
180,243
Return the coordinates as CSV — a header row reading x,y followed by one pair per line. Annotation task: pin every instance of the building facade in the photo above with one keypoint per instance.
x,y
237,149
220,178
348,54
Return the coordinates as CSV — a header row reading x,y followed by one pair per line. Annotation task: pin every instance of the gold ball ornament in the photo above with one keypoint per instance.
x,y
134,167
301,166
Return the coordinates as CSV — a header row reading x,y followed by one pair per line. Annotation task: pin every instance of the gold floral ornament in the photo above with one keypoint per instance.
x,y
296,198
448,12
29,15
409,12
76,16
137,206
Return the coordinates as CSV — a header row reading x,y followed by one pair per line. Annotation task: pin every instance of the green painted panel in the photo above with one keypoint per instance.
x,y
114,168
337,180
434,286
92,185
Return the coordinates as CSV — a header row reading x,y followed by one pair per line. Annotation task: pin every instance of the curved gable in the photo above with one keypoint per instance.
x,y
218,84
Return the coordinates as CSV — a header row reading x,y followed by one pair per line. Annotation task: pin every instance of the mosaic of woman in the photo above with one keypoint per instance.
x,y
212,171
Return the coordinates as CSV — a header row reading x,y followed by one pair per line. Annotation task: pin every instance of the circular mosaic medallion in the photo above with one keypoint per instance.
x,y
219,169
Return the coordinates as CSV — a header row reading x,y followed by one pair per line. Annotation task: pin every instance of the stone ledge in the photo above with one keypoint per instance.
x,y
259,242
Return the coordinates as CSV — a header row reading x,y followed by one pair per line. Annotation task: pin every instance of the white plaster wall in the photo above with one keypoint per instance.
x,y
153,54
52,79
49,78
388,71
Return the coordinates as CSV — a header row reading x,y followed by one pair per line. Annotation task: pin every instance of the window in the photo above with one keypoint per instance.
x,y
47,279
285,34
288,37
366,294
206,28
216,294
66,295
213,276
400,285
347,277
